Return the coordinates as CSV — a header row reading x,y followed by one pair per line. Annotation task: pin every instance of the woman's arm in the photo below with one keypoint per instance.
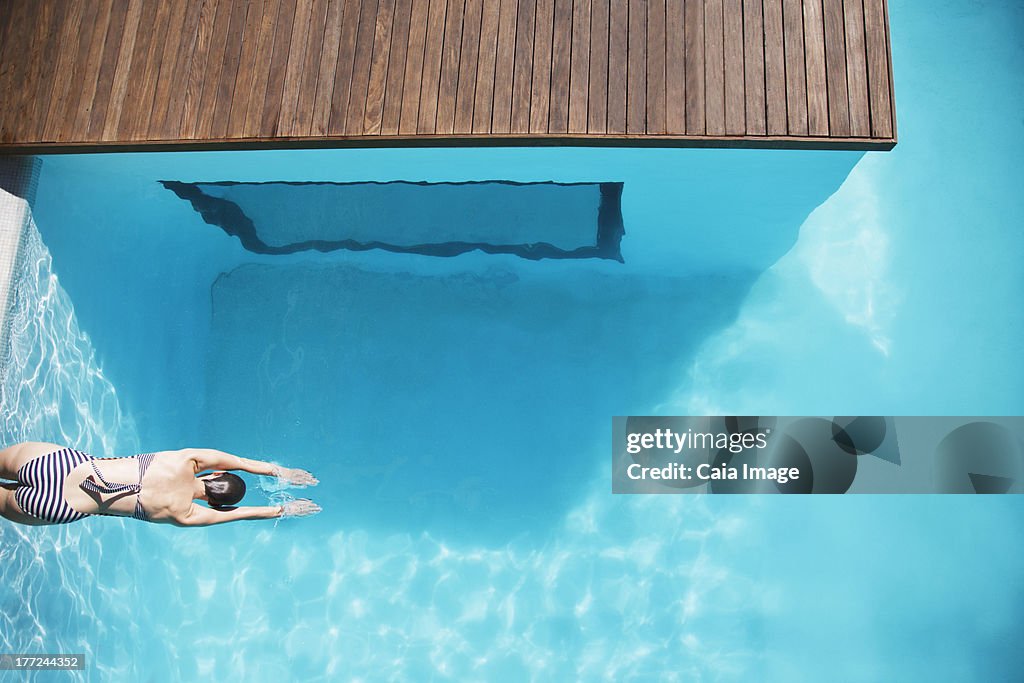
x,y
211,459
199,515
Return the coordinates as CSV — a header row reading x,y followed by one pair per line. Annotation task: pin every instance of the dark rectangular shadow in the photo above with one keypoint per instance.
x,y
534,221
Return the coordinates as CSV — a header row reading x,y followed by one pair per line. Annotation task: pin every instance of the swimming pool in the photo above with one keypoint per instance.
x,y
458,410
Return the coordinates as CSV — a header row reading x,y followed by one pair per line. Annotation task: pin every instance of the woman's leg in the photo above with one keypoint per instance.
x,y
10,509
8,459
13,457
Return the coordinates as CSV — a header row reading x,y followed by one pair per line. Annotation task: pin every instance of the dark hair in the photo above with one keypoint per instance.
x,y
224,489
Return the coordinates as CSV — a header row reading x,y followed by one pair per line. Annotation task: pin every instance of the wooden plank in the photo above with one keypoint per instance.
x,y
30,31
108,69
226,12
228,82
656,67
504,67
597,102
450,55
66,51
7,15
197,71
56,46
263,63
43,24
257,35
396,69
351,17
468,63
735,87
407,124
775,69
230,123
636,69
8,27
540,91
561,54
431,79
857,69
483,95
696,114
271,115
365,38
327,69
140,99
122,69
16,43
796,69
876,38
16,39
887,58
140,83
379,59
33,29
309,80
24,41
579,67
618,65
675,68
835,69
753,66
286,123
714,67
169,99
522,80
77,124
814,55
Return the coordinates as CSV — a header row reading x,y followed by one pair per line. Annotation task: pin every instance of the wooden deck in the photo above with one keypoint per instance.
x,y
138,74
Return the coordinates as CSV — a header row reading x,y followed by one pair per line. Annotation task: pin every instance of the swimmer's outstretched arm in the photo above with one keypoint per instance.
x,y
211,459
199,515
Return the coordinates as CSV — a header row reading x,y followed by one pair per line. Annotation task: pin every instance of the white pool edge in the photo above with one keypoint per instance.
x,y
19,178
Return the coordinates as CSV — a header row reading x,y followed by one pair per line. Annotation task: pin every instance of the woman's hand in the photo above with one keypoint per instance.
x,y
300,507
297,476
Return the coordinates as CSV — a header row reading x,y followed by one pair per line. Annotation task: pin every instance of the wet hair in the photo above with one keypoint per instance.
x,y
224,489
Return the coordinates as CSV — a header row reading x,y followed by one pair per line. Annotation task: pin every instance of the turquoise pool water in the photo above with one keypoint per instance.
x,y
458,410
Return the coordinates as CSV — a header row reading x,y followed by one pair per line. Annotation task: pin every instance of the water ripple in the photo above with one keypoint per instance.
x,y
64,587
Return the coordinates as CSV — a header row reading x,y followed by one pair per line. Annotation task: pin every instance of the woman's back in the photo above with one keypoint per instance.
x,y
112,486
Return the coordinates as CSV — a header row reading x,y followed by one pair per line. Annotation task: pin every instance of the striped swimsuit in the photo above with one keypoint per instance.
x,y
41,490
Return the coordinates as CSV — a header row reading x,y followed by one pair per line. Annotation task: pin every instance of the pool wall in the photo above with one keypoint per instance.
x,y
19,177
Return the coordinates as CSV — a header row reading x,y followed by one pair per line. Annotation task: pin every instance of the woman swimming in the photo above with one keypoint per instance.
x,y
51,484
